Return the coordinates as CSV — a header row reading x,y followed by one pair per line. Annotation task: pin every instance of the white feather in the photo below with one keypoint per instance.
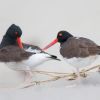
x,y
33,50
31,62
81,62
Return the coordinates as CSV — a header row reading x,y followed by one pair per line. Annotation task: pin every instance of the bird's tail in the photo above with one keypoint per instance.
x,y
99,49
51,56
54,57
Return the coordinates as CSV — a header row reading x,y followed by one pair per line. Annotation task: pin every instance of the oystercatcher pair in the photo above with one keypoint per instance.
x,y
21,56
77,51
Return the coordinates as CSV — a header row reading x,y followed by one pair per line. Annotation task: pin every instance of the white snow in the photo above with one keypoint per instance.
x,y
40,21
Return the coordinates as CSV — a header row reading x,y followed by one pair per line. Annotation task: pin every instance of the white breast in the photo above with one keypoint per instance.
x,y
81,62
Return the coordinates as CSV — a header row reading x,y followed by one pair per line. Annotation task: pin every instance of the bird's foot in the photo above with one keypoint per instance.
x,y
83,73
73,76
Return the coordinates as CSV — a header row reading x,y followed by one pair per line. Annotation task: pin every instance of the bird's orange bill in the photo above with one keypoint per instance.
x,y
19,42
50,44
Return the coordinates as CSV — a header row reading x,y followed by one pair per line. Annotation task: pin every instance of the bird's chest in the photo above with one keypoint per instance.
x,y
70,49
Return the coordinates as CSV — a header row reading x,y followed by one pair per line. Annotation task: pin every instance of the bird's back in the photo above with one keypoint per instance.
x,y
79,47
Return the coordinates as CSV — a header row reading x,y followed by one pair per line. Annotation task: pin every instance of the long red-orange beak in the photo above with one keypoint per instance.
x,y
19,42
50,44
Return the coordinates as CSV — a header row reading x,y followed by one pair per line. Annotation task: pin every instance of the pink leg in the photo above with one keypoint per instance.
x,y
28,79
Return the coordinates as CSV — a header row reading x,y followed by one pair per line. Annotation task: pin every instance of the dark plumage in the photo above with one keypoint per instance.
x,y
21,56
79,52
11,36
9,48
75,47
13,54
79,47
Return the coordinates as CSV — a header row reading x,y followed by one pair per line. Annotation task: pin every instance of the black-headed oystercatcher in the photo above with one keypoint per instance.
x,y
21,56
77,51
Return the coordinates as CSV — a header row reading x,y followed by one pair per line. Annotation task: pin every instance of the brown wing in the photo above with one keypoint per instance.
x,y
81,47
13,53
94,50
87,44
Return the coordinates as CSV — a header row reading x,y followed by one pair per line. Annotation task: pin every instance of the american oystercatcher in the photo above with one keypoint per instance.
x,y
21,56
77,51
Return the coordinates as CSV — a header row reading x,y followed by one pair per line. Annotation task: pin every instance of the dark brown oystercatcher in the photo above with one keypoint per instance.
x,y
20,56
79,52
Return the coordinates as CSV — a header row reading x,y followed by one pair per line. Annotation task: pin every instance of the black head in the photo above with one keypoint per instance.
x,y
12,36
14,32
63,36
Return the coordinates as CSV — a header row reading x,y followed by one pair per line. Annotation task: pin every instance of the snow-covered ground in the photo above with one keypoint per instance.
x,y
40,21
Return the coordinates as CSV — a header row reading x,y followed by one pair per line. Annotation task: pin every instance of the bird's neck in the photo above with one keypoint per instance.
x,y
62,42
